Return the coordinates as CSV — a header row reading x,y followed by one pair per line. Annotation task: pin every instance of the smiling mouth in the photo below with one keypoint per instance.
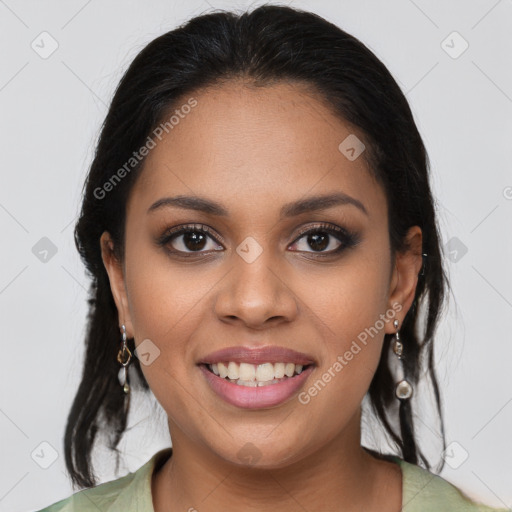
x,y
255,375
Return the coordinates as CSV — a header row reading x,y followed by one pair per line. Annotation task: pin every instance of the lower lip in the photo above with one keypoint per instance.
x,y
256,397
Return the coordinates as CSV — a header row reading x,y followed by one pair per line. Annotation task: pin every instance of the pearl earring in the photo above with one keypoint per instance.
x,y
403,388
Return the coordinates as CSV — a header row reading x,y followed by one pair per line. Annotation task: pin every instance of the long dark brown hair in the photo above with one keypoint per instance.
x,y
265,45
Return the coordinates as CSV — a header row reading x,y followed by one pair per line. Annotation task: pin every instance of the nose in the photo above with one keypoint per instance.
x,y
256,294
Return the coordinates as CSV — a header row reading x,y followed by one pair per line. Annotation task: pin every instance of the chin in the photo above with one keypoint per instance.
x,y
262,454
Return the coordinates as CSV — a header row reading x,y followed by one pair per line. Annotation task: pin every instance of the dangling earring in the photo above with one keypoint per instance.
x,y
403,388
124,357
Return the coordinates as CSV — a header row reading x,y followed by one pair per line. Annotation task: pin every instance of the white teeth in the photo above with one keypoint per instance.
x,y
232,371
248,383
289,369
247,372
279,370
223,370
252,375
265,372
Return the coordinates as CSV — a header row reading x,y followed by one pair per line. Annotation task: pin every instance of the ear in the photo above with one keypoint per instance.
x,y
115,273
405,276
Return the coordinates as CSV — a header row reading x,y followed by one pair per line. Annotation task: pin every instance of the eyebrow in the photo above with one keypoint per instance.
x,y
309,204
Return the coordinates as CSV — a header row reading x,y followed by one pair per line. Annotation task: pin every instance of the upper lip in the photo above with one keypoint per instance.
x,y
257,355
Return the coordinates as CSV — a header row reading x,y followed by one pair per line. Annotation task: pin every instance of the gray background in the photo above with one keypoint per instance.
x,y
51,111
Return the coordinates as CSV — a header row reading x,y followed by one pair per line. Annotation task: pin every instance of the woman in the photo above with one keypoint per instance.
x,y
260,233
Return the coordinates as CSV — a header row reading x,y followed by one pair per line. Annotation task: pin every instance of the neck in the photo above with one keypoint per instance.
x,y
340,475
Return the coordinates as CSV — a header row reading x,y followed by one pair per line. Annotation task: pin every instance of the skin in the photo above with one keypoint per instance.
x,y
254,150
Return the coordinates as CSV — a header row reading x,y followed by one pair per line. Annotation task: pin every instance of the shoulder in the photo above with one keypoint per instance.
x,y
426,492
100,497
130,492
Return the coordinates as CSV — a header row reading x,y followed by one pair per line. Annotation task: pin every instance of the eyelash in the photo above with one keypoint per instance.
x,y
347,238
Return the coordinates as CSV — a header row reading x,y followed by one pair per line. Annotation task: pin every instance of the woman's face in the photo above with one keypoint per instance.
x,y
264,157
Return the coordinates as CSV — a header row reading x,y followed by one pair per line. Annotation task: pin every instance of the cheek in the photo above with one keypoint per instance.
x,y
165,307
162,295
349,310
347,299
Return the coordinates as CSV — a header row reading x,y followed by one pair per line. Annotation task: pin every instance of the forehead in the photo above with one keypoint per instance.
x,y
240,144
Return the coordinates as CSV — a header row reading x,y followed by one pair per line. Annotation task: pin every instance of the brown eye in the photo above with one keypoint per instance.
x,y
193,240
189,239
318,241
324,239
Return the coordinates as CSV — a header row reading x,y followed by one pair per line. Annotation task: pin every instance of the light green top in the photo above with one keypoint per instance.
x,y
422,491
